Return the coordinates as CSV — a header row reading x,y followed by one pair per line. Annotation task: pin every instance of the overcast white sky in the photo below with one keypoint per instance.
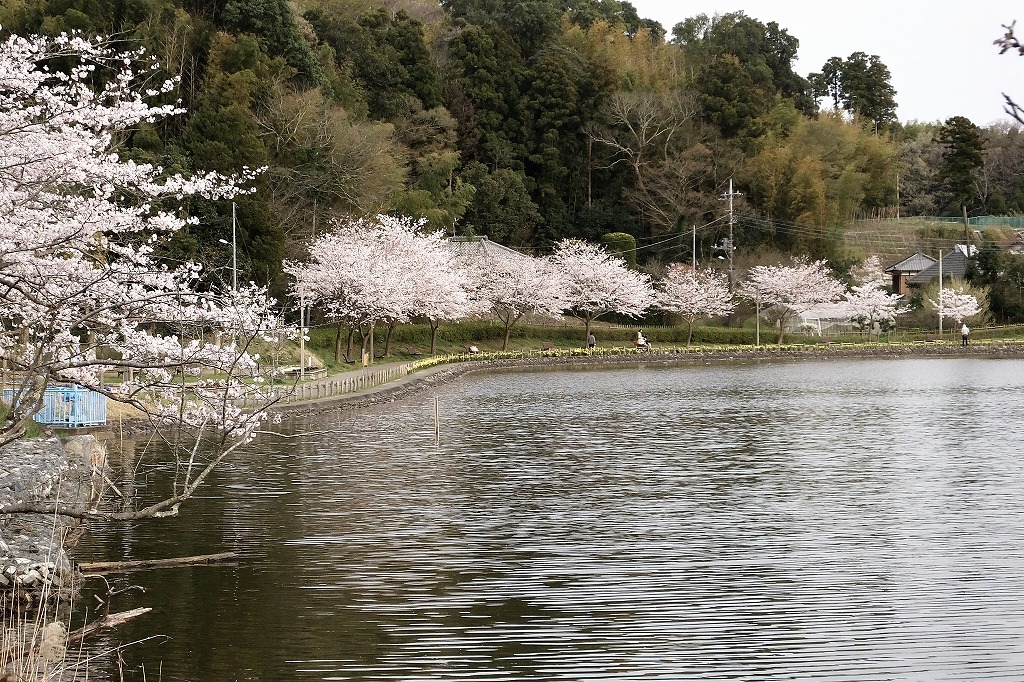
x,y
940,52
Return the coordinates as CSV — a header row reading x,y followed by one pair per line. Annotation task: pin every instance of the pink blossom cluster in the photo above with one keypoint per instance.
x,y
83,291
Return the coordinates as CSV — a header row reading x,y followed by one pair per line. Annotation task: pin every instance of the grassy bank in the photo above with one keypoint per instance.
x,y
412,341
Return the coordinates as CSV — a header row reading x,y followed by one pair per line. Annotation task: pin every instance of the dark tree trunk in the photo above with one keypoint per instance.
x,y
387,338
434,326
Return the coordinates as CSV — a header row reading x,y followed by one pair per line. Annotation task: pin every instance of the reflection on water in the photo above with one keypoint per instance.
x,y
852,520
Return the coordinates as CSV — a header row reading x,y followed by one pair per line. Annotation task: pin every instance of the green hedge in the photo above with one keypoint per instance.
x,y
476,331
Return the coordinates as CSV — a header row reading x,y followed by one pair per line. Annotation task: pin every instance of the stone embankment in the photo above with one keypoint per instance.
x,y
425,379
34,564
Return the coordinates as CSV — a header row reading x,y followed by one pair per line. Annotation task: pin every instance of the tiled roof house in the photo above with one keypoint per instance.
x,y
908,267
954,264
479,248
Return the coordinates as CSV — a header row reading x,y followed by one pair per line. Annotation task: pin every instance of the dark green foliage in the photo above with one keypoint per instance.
x,y
224,139
622,245
730,100
485,97
554,102
962,160
386,57
51,17
563,94
861,84
766,52
532,24
260,240
272,22
1003,273
616,12
501,207
608,214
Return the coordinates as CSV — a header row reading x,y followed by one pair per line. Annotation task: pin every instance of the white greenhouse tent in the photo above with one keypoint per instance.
x,y
820,320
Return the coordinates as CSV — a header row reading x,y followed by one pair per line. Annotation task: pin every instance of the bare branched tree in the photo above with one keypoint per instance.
x,y
671,156
1009,42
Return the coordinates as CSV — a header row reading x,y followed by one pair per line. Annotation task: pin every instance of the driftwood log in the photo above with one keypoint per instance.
x,y
123,566
107,622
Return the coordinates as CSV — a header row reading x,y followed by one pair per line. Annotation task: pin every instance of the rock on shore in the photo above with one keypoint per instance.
x,y
34,563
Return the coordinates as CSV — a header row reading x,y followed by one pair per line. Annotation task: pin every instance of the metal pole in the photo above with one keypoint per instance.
x,y
695,247
437,424
234,251
940,294
302,335
732,247
757,319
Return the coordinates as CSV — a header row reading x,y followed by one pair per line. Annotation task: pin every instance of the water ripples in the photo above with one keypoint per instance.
x,y
824,520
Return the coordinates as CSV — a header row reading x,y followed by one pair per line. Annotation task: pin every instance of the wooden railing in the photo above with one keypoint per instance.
x,y
343,384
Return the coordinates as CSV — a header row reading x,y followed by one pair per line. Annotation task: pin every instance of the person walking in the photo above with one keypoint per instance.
x,y
591,341
964,333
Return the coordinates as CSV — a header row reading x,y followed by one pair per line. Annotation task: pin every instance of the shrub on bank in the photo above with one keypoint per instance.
x,y
414,339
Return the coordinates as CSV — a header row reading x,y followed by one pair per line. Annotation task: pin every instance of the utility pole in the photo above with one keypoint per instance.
x,y
940,294
234,251
302,334
730,245
967,231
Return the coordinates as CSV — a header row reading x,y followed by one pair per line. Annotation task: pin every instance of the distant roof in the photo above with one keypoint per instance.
x,y
479,247
915,263
954,264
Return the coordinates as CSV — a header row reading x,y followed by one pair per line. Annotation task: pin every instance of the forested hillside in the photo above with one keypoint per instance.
x,y
529,122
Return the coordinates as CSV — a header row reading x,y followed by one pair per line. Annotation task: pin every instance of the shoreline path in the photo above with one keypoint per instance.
x,y
393,381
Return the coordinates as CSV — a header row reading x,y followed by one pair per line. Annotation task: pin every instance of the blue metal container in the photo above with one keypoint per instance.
x,y
67,406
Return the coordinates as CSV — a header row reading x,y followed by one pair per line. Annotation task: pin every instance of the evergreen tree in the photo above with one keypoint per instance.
x,y
765,51
501,207
962,161
861,84
273,23
485,97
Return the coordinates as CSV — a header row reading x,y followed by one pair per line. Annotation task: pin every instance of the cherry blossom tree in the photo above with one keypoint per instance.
x,y
792,289
445,287
870,302
596,282
956,303
82,290
512,285
694,294
366,272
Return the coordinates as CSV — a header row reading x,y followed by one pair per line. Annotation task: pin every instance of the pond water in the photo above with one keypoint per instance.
x,y
827,520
